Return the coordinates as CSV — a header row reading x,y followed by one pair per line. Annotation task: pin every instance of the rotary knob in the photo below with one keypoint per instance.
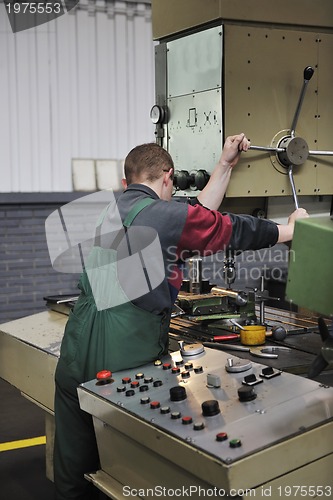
x,y
210,408
182,179
178,393
201,178
246,393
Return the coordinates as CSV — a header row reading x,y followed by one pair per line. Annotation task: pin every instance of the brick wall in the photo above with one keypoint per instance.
x,y
26,272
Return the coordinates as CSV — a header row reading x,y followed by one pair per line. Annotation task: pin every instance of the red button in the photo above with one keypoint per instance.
x,y
187,420
221,436
155,404
104,375
126,380
135,384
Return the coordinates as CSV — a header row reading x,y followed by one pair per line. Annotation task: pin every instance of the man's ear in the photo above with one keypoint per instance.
x,y
124,183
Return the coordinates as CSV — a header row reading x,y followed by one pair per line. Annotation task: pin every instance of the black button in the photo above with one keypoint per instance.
x,y
178,393
157,383
210,408
246,393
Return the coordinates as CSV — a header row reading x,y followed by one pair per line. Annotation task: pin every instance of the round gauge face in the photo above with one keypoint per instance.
x,y
156,114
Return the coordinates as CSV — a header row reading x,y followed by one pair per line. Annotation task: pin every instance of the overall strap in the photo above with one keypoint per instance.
x,y
136,209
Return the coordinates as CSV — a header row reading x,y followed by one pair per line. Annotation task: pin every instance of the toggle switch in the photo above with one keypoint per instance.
x,y
252,380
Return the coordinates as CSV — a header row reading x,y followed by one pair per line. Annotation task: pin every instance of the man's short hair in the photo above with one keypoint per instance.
x,y
146,163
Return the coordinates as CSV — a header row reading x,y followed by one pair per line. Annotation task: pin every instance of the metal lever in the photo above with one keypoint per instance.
x,y
292,183
308,73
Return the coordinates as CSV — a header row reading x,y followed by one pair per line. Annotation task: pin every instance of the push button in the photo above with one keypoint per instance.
x,y
210,408
103,377
221,436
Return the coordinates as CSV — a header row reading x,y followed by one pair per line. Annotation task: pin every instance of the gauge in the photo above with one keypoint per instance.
x,y
157,114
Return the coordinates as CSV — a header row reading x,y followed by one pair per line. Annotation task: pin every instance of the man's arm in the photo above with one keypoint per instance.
x,y
213,193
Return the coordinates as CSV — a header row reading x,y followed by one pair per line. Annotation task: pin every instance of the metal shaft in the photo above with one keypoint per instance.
x,y
292,183
268,148
322,153
308,72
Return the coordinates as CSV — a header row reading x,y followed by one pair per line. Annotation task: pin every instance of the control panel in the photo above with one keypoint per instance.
x,y
225,406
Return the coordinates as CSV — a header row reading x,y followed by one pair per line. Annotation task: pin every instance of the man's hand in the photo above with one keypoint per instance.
x,y
300,213
286,231
232,149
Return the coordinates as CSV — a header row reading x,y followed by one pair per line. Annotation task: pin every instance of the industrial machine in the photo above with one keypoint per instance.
x,y
204,421
214,422
228,68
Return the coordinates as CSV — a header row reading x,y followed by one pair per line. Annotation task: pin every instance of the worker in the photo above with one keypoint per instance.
x,y
130,333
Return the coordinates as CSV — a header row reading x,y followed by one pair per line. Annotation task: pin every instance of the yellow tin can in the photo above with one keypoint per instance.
x,y
253,335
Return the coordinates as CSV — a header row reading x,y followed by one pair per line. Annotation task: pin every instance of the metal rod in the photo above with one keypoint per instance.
x,y
308,72
268,148
262,305
292,183
323,153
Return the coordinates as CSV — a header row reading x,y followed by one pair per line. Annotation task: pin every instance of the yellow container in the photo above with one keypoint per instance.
x,y
253,335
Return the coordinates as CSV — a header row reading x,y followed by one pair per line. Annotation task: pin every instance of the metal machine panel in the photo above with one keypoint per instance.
x,y
159,410
29,351
194,102
195,130
174,16
267,65
195,62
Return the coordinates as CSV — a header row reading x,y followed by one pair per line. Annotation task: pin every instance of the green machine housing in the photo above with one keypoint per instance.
x,y
310,275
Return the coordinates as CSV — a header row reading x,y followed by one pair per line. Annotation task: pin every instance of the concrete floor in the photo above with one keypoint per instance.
x,y
22,471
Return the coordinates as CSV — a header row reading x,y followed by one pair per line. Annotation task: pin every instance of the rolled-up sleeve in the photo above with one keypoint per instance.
x,y
251,233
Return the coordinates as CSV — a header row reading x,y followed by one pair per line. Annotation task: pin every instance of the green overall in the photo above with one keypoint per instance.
x,y
116,338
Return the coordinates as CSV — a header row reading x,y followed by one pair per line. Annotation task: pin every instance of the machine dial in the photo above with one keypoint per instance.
x,y
157,114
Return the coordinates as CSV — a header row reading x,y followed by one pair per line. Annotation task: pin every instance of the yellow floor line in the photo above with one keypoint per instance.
x,y
23,443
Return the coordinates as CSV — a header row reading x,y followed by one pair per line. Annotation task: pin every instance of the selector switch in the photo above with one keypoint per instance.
x,y
269,372
178,393
252,380
213,380
210,408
